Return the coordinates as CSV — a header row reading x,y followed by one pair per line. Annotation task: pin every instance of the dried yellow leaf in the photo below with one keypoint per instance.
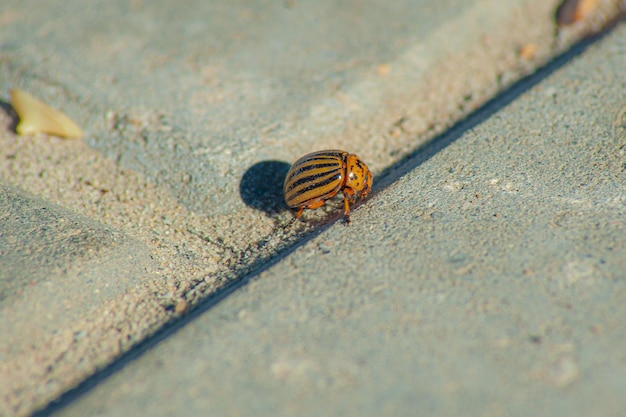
x,y
37,117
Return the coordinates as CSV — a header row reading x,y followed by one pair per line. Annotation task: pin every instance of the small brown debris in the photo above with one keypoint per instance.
x,y
181,307
572,11
383,69
528,52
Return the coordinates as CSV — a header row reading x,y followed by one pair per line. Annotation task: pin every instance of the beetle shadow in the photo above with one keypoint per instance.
x,y
14,119
261,186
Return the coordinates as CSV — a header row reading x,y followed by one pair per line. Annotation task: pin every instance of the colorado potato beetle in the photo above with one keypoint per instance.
x,y
319,176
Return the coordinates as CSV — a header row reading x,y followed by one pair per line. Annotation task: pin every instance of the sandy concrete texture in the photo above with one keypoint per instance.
x,y
40,242
489,280
192,112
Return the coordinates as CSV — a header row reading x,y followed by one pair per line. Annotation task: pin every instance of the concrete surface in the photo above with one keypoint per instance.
x,y
40,240
55,232
192,115
490,280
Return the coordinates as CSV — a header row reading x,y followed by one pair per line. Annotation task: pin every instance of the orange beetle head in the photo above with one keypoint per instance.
x,y
358,176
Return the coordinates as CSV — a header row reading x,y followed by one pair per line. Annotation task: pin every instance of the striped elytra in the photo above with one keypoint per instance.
x,y
319,176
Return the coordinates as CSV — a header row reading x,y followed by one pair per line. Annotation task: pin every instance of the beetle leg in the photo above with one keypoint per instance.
x,y
316,204
346,208
311,206
347,199
349,196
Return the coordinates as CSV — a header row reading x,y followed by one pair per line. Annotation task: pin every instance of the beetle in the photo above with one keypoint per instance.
x,y
319,176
